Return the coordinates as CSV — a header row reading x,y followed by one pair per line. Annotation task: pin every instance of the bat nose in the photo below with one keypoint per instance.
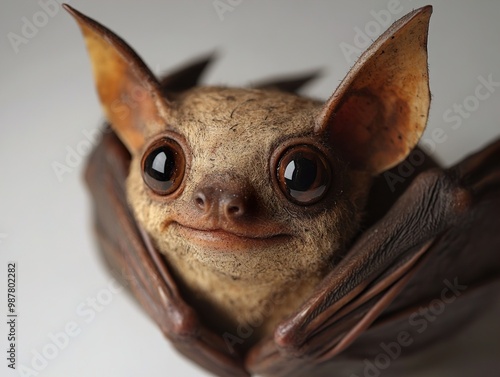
x,y
227,201
233,205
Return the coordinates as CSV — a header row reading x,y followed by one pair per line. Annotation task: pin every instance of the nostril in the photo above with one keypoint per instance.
x,y
233,205
200,201
224,204
233,210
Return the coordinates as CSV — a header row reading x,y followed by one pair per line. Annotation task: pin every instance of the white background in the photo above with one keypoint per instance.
x,y
47,101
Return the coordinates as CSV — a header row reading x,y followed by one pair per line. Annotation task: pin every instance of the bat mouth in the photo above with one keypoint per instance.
x,y
224,239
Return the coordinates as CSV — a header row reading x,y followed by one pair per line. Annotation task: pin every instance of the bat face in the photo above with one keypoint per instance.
x,y
251,194
238,191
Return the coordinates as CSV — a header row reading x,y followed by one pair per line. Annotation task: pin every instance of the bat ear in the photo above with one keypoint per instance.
x,y
379,112
128,91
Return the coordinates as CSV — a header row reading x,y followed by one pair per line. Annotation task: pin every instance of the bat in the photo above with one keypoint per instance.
x,y
257,228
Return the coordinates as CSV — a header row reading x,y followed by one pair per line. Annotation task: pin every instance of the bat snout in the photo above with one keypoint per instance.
x,y
221,202
225,215
226,200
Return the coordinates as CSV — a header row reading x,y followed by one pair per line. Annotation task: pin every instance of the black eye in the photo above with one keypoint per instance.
x,y
304,174
163,166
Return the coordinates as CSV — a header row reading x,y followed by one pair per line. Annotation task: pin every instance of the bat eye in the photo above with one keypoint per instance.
x,y
304,174
163,166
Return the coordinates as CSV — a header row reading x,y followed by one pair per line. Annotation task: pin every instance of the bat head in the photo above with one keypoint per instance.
x,y
251,193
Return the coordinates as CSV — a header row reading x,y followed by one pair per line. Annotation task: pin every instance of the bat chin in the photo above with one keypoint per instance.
x,y
225,240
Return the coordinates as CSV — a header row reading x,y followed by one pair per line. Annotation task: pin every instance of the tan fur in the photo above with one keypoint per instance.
x,y
230,138
239,135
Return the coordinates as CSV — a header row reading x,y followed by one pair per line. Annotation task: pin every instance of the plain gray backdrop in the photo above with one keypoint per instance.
x,y
48,106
